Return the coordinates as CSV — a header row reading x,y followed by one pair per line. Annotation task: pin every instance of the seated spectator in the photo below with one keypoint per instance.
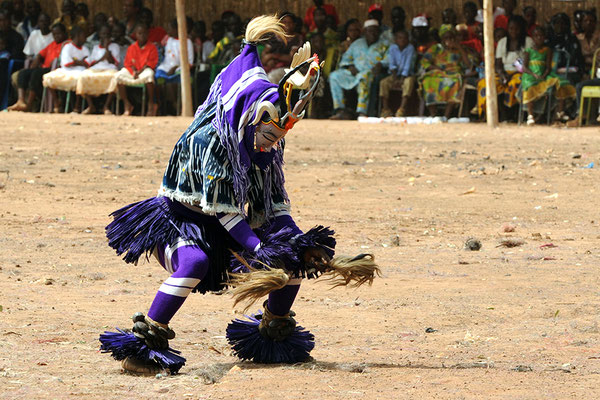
x,y
538,77
155,33
398,19
589,39
530,15
401,57
203,46
39,38
29,23
13,49
350,32
31,79
98,79
68,16
73,61
169,69
475,43
277,54
443,66
365,58
561,39
422,39
309,20
376,12
82,10
508,77
93,39
14,41
449,16
131,10
229,46
17,12
139,66
122,40
501,21
470,13
331,36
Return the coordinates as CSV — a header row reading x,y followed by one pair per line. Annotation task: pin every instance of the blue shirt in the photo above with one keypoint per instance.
x,y
402,61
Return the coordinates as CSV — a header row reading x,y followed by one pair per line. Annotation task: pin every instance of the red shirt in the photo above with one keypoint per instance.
x,y
50,53
141,58
329,10
471,30
475,44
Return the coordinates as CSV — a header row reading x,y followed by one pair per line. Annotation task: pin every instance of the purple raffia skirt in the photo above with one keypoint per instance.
x,y
139,227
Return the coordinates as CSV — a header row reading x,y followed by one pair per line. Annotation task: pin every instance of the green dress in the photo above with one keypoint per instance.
x,y
533,88
441,86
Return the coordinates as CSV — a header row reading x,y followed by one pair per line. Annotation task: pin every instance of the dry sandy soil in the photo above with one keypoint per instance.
x,y
520,322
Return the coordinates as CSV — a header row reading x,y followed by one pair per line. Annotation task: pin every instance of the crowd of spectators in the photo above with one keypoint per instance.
x,y
406,67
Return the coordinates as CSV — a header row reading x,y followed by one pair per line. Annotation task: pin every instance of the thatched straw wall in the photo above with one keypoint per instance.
x,y
209,10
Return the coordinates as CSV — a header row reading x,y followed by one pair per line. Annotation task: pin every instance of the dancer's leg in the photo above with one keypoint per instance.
x,y
188,264
280,301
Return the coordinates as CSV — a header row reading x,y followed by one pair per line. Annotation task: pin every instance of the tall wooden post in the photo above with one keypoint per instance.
x,y
491,96
186,86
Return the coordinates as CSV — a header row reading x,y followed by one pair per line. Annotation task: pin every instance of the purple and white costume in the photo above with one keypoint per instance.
x,y
218,195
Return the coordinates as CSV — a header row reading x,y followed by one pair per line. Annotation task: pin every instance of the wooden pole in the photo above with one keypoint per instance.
x,y
491,96
186,86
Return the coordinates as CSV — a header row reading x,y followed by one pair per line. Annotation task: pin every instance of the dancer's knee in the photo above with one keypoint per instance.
x,y
190,262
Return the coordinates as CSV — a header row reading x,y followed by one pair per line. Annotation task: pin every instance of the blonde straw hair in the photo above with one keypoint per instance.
x,y
261,28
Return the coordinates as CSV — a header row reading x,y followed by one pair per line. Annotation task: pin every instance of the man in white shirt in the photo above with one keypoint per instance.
x,y
39,38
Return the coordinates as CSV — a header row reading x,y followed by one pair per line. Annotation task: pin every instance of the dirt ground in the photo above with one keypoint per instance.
x,y
506,323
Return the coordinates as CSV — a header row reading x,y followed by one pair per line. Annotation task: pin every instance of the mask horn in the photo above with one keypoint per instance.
x,y
268,107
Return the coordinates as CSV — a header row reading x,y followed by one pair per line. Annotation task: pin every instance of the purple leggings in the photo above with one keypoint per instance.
x,y
188,265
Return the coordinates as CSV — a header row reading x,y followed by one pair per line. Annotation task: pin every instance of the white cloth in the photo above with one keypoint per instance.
x,y
509,57
71,53
124,77
497,11
207,47
172,57
37,42
98,52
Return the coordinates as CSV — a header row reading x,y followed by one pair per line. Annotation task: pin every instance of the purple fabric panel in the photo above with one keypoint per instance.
x,y
244,236
247,60
164,307
285,221
280,301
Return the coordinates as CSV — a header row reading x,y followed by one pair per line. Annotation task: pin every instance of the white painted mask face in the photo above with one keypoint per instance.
x,y
267,136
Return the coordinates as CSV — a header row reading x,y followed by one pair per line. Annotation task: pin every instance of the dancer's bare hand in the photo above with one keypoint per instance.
x,y
317,258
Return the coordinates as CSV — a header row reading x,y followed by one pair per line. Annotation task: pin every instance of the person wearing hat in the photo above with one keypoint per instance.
x,y
443,66
365,58
376,12
422,39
